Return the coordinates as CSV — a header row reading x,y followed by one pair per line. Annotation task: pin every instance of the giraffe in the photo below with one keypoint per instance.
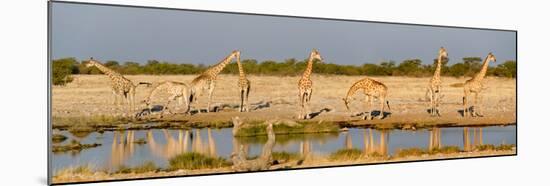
x,y
177,90
244,86
207,79
434,90
475,86
372,89
305,85
121,87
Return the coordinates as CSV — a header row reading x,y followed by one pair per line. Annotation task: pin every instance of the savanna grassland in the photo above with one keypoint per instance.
x,y
89,96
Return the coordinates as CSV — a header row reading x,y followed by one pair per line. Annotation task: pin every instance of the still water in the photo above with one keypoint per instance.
x,y
118,147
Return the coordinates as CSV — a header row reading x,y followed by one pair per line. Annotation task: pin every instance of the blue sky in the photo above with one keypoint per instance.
x,y
140,34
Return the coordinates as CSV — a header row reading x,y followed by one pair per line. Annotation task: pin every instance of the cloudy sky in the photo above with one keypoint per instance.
x,y
141,34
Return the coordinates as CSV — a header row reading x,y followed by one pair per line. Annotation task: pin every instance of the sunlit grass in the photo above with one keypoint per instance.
x,y
257,128
346,154
148,166
73,146
193,160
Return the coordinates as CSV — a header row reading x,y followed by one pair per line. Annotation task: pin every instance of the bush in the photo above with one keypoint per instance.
x,y
290,67
147,166
346,154
193,160
62,70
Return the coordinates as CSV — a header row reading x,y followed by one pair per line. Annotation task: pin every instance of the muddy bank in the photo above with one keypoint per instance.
x,y
312,162
223,120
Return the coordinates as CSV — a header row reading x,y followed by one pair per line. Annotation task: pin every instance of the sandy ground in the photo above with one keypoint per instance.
x,y
315,162
90,95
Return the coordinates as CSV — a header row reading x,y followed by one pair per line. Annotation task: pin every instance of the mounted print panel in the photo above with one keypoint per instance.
x,y
140,92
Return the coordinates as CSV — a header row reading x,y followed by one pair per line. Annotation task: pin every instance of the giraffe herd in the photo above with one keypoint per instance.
x,y
123,88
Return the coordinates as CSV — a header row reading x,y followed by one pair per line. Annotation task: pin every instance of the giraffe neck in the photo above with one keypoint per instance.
x,y
479,76
352,91
241,71
309,68
437,72
216,69
111,73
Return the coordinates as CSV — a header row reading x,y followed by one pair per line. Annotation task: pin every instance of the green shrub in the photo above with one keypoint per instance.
x,y
410,152
285,156
147,166
290,67
193,160
62,70
346,154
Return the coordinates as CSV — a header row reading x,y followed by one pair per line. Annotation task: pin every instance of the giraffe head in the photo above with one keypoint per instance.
x,y
91,62
491,57
237,55
443,52
346,102
315,55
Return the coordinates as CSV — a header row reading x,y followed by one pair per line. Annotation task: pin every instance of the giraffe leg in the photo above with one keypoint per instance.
x,y
211,87
367,105
475,105
466,110
306,104
438,102
431,94
242,101
478,108
166,106
382,102
187,103
127,104
368,115
301,96
180,103
246,99
133,101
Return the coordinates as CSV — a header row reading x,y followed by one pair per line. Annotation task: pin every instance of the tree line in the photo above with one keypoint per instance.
x,y
64,67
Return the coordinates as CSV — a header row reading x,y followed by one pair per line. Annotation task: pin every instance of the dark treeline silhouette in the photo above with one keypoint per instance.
x,y
62,68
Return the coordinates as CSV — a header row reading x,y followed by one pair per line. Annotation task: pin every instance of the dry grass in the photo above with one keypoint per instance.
x,y
73,146
90,96
346,154
193,160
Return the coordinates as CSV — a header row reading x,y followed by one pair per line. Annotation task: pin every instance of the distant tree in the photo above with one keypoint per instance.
x,y
293,67
410,67
62,70
472,65
387,68
507,69
458,70
371,69
131,68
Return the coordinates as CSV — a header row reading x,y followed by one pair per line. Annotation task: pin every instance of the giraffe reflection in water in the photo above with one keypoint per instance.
x,y
173,147
370,147
477,138
122,148
123,145
435,139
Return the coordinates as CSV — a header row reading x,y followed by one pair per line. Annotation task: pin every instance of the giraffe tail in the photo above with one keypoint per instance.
x,y
388,104
145,83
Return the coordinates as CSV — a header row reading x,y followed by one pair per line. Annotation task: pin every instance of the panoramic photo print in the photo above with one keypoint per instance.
x,y
141,92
